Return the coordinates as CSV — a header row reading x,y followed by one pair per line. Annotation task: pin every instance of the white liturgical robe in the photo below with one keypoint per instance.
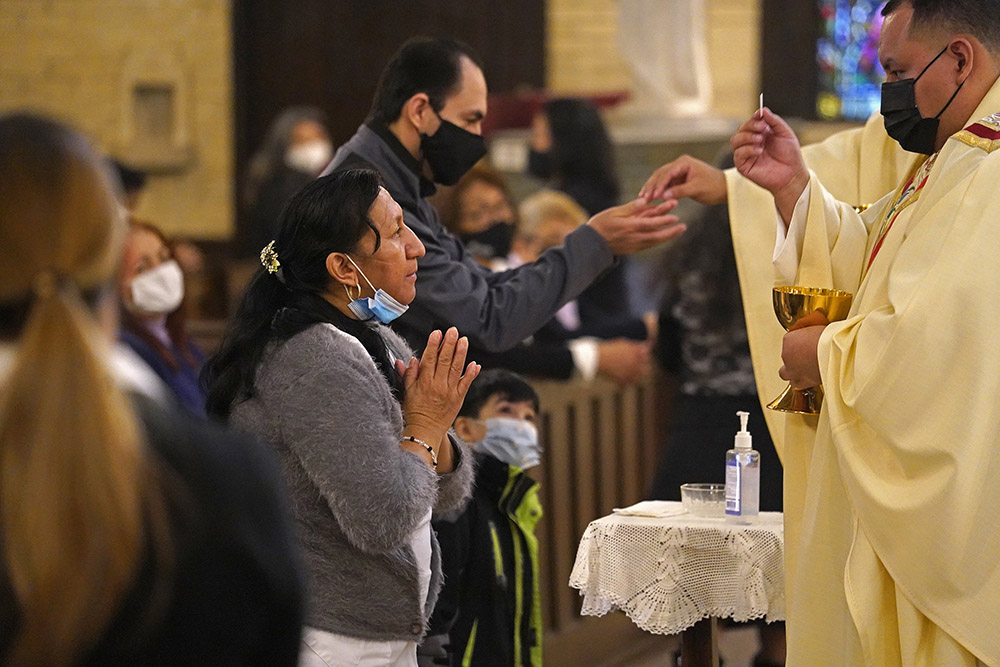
x,y
895,546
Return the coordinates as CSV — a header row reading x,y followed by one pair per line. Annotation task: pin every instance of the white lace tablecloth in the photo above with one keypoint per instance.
x,y
668,569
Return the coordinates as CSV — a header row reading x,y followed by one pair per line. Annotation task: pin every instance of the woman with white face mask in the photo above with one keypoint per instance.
x,y
296,148
153,321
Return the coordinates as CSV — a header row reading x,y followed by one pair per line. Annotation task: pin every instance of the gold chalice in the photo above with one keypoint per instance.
x,y
791,304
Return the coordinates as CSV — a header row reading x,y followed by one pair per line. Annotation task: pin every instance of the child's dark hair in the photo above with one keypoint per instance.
x,y
329,214
497,381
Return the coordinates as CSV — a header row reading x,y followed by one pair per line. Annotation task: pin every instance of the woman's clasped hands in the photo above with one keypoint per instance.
x,y
435,389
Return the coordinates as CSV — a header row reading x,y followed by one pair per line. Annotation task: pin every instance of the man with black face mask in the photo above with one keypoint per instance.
x,y
424,128
898,483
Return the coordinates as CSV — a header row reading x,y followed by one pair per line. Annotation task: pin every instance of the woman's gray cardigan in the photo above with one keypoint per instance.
x,y
356,496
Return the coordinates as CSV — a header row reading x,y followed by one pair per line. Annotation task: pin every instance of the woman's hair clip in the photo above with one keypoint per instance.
x,y
269,258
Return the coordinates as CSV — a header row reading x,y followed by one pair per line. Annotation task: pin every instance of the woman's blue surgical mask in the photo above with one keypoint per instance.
x,y
511,441
383,307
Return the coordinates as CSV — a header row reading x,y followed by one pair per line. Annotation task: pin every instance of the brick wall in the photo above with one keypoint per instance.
x,y
148,81
582,56
113,68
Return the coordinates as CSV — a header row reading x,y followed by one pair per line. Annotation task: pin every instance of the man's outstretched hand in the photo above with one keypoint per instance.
x,y
637,225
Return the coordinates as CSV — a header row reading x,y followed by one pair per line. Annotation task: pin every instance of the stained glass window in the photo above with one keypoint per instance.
x,y
850,75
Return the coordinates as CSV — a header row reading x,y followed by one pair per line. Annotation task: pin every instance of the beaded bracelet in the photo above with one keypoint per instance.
x,y
434,456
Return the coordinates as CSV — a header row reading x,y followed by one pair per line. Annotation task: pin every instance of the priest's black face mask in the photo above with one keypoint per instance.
x,y
903,121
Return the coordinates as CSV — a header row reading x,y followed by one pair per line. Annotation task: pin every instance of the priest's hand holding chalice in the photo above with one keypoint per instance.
x,y
798,308
767,152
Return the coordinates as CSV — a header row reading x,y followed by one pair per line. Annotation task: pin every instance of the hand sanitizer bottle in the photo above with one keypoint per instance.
x,y
742,478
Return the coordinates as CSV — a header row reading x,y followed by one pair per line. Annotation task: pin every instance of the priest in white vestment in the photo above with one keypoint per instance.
x,y
896,547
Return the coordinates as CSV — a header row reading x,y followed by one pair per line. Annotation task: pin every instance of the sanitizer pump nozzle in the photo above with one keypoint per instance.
x,y
743,439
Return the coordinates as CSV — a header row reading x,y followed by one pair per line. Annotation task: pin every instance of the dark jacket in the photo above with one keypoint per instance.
x,y
495,310
547,354
606,307
491,600
183,382
550,360
236,593
606,302
265,213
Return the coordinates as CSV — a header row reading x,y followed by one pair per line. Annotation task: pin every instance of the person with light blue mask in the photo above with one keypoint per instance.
x,y
382,306
489,610
360,426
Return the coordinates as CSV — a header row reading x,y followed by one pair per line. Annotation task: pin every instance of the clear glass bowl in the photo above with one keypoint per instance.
x,y
704,499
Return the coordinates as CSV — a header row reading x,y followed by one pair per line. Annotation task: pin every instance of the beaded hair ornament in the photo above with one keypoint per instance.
x,y
269,260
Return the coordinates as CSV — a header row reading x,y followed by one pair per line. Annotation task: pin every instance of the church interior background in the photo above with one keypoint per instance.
x,y
185,89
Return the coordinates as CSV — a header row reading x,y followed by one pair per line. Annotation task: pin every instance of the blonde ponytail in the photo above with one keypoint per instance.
x,y
73,472
70,472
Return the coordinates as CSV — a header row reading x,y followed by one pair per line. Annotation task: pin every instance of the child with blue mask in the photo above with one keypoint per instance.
x,y
489,552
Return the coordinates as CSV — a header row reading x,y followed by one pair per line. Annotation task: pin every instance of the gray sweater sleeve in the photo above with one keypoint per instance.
x,y
456,486
339,418
499,310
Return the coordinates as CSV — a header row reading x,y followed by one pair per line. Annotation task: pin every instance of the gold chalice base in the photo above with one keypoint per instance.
x,y
791,304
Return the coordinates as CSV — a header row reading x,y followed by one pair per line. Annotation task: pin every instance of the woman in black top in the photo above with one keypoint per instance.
x,y
130,534
571,151
294,151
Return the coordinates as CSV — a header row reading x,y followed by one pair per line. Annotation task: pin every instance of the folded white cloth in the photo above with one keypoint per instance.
x,y
653,508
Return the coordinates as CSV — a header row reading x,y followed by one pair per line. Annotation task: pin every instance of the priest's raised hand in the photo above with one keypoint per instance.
x,y
767,152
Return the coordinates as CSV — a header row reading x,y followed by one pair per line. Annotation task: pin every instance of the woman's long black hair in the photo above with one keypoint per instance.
x,y
329,214
582,154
